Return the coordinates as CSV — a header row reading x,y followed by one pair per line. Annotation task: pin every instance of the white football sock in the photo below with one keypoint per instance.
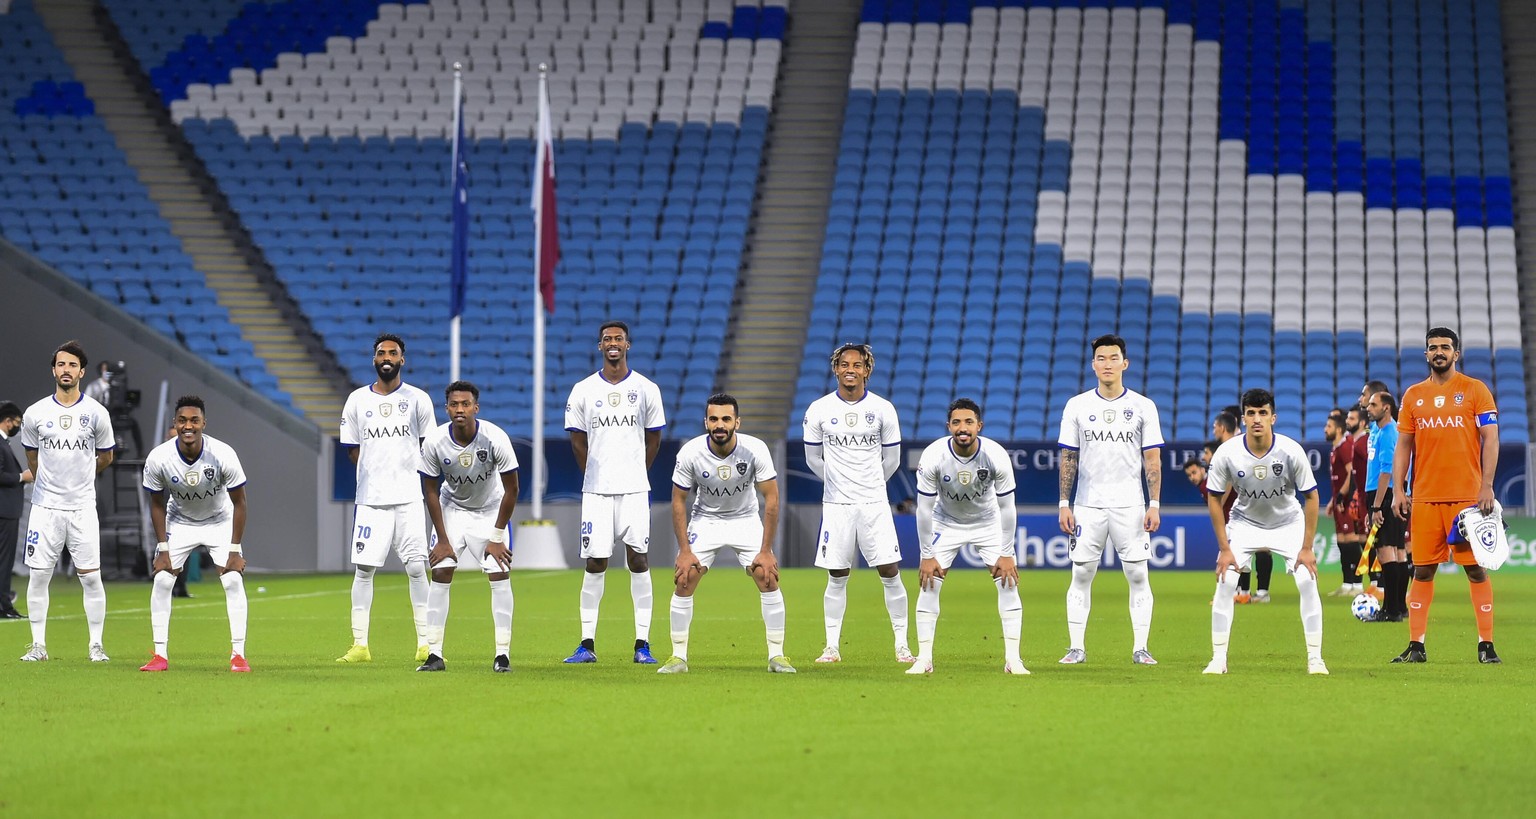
x,y
1011,611
95,605
362,603
773,621
682,617
640,593
1141,602
833,604
927,618
1080,602
591,600
416,576
896,607
37,603
501,615
1222,606
437,615
237,606
1311,612
160,611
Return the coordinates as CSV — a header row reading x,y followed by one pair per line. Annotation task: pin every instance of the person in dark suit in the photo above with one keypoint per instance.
x,y
12,477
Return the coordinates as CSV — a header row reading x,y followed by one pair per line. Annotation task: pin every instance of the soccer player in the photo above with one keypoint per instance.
x,y
725,470
196,491
1448,434
1110,438
853,443
469,480
1267,470
382,426
1347,522
1359,427
965,498
68,439
1225,428
1390,537
615,419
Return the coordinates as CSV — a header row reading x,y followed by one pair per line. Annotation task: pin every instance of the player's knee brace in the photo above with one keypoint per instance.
x,y
365,574
1135,573
164,581
416,568
1082,573
91,582
231,581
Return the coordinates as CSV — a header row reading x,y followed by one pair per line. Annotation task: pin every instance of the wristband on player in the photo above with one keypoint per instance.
x,y
498,536
1063,504
234,548
1154,504
162,546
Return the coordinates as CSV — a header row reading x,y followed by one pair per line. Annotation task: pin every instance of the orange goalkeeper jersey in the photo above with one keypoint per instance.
x,y
1447,447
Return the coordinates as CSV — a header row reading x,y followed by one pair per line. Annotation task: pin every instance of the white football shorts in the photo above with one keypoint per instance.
x,y
848,529
744,536
1245,538
468,533
51,531
608,520
377,529
1118,527
986,540
184,538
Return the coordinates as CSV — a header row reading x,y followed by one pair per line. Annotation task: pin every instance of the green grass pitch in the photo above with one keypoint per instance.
x,y
303,736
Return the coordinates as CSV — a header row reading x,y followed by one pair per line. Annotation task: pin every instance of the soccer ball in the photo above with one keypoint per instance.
x,y
1364,607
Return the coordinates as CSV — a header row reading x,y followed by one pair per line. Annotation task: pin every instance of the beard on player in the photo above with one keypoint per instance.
x,y
388,370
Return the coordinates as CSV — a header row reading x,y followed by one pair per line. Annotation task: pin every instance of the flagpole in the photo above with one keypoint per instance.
x,y
538,305
458,110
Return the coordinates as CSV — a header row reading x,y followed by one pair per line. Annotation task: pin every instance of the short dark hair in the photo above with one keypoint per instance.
x,y
73,348
1391,402
1212,445
8,409
1258,397
965,404
1193,460
1444,332
1336,416
1227,421
383,337
191,401
1374,386
613,323
462,386
1108,340
721,399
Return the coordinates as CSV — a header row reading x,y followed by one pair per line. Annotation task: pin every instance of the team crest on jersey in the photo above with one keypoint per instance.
x,y
869,418
1109,417
634,397
85,420
466,460
982,475
1276,469
852,418
65,421
613,399
1458,398
192,478
385,410
741,467
1261,472
207,473
404,406
480,455
724,471
1129,413
1439,401
965,478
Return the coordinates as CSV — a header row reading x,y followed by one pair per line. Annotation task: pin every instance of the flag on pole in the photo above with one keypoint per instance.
x,y
459,259
545,218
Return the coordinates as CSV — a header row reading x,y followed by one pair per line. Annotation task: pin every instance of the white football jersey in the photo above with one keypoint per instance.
x,y
389,429
615,418
1266,484
1109,437
967,489
67,440
723,487
197,491
853,438
471,474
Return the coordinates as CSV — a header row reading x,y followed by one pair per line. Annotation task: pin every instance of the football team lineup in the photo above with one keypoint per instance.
x,y
436,495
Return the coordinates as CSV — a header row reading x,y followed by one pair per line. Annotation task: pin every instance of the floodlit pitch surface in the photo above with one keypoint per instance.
x,y
304,736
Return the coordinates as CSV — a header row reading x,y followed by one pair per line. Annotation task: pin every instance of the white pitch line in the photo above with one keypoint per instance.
x,y
256,598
